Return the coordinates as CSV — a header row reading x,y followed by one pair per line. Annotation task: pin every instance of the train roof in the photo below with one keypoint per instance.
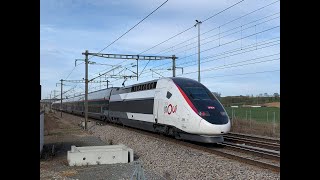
x,y
129,86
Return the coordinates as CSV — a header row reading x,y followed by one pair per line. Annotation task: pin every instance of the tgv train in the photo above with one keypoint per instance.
x,y
180,107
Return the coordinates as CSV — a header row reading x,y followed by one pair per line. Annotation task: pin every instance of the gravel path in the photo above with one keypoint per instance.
x,y
173,161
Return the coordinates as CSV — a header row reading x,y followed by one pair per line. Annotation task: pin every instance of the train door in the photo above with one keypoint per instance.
x,y
166,106
170,106
184,118
156,106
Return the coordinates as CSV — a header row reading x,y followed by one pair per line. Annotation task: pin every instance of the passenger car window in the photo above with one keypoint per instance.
x,y
169,95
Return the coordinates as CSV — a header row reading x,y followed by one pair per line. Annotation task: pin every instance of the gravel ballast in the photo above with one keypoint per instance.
x,y
61,134
174,161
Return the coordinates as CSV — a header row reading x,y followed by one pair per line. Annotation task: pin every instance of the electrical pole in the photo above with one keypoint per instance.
x,y
137,67
173,66
86,92
198,23
107,83
61,98
50,101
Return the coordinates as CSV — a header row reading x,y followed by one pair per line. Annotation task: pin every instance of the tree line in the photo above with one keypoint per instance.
x,y
247,100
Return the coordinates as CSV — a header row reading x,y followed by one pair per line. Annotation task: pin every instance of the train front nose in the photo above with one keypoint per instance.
x,y
214,129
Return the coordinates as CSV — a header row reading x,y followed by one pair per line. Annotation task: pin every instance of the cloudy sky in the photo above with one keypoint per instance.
x,y
240,47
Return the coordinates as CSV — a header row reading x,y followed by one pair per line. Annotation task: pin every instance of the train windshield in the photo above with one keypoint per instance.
x,y
208,107
198,93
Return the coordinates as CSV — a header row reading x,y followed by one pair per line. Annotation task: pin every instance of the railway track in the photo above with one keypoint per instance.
x,y
266,140
254,162
261,152
247,141
218,150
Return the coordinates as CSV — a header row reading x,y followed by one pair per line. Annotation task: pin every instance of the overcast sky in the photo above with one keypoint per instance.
x,y
239,58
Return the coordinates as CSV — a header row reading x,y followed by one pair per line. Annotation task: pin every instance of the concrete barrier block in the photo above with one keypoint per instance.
x,y
93,155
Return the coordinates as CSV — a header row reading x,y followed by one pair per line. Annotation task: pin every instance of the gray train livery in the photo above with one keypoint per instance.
x,y
179,107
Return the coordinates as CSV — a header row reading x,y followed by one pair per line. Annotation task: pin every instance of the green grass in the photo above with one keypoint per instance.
x,y
257,114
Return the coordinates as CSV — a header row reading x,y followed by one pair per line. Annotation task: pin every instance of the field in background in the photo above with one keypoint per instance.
x,y
264,121
256,128
259,114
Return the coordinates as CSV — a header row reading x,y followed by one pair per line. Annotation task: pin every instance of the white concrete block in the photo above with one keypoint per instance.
x,y
92,155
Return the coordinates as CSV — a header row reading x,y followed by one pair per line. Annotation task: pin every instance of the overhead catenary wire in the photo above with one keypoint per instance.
x,y
213,47
232,41
227,43
185,31
64,92
131,28
253,48
222,33
202,62
72,71
179,58
232,65
221,45
190,28
259,72
216,28
206,32
128,31
223,24
240,74
233,52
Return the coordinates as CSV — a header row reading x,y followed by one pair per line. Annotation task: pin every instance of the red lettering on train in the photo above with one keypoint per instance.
x,y
169,112
170,109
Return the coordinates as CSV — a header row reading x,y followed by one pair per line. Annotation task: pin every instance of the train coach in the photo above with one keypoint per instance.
x,y
179,107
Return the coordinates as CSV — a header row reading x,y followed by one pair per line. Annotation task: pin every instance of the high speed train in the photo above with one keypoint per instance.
x,y
175,106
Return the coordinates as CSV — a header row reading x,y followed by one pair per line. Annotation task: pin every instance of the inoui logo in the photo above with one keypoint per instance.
x,y
170,109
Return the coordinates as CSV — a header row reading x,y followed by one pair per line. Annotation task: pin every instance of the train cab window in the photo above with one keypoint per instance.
x,y
198,93
169,95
